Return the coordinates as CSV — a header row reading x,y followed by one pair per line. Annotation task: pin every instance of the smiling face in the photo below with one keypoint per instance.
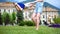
x,y
39,0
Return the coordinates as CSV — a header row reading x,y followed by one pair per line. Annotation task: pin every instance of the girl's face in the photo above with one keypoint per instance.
x,y
39,0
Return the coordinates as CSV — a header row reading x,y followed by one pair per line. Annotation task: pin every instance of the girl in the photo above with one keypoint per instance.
x,y
37,13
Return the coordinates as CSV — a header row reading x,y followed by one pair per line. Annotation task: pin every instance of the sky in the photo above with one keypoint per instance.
x,y
55,3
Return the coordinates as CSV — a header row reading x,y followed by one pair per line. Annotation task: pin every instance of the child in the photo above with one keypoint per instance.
x,y
19,6
37,13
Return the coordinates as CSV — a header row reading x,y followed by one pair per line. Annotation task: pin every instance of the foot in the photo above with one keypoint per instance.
x,y
36,28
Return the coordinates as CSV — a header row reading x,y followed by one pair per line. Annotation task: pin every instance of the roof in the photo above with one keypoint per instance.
x,y
49,9
50,5
6,4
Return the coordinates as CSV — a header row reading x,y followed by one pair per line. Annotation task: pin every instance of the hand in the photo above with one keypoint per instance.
x,y
15,4
31,4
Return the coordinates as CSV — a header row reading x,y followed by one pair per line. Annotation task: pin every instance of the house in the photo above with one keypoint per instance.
x,y
49,11
7,6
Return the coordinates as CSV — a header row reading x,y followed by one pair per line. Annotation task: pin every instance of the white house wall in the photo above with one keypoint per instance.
x,y
8,10
2,10
46,15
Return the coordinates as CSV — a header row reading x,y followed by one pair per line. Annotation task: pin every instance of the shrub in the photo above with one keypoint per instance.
x,y
19,16
21,23
30,23
0,19
3,17
57,20
7,19
13,17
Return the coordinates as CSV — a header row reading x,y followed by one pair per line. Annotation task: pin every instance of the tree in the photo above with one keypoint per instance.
x,y
3,17
19,16
0,19
13,17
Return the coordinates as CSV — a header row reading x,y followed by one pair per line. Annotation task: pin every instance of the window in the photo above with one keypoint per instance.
x,y
43,16
14,10
54,16
9,10
0,10
4,10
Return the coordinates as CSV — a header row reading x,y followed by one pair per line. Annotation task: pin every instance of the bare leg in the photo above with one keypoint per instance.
x,y
34,18
38,21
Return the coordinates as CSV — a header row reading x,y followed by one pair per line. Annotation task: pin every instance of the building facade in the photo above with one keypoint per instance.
x,y
7,7
48,13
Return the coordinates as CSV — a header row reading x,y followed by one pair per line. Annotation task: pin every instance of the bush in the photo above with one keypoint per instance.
x,y
4,16
0,19
19,16
7,19
30,23
21,23
13,17
57,20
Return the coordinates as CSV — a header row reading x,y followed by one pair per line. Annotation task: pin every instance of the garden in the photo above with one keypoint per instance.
x,y
20,26
14,18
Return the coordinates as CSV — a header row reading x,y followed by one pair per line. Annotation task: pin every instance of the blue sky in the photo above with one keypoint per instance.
x,y
52,2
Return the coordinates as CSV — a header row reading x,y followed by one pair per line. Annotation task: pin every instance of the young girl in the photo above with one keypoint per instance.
x,y
19,6
37,13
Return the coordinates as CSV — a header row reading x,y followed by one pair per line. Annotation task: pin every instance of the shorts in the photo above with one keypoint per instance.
x,y
39,7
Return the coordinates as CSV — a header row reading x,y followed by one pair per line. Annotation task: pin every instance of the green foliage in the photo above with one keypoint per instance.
x,y
28,23
21,23
7,18
57,20
19,16
4,17
0,18
13,17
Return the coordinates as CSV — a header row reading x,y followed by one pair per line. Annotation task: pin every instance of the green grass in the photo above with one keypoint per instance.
x,y
28,30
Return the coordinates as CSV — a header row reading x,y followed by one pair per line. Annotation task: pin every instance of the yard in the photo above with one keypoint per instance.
x,y
28,30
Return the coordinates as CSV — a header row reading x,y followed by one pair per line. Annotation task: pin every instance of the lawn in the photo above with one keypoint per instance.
x,y
28,30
